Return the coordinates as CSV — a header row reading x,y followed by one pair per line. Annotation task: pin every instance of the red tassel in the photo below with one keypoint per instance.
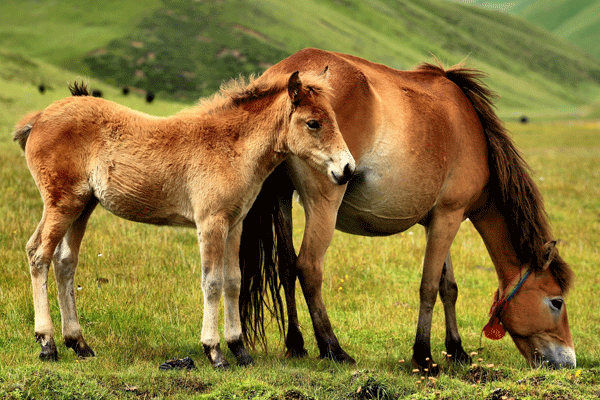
x,y
494,330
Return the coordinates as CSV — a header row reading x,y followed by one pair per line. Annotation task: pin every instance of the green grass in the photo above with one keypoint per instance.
x,y
184,49
577,21
140,302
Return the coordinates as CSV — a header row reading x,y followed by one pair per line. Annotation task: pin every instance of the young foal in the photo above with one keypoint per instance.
x,y
201,168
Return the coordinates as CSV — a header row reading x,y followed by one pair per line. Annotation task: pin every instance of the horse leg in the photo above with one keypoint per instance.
x,y
212,238
65,263
321,213
441,230
448,295
40,249
294,342
231,290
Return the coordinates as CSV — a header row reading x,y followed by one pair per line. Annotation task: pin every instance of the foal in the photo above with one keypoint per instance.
x,y
201,168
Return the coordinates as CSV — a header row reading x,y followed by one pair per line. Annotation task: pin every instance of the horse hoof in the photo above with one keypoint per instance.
x,y
48,354
245,361
222,365
339,356
295,353
426,366
80,347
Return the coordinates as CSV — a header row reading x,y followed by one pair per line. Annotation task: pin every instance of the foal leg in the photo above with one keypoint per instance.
x,y
40,249
232,284
65,263
448,295
212,238
294,342
441,230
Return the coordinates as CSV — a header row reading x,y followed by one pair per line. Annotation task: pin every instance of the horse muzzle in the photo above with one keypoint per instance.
x,y
558,357
341,172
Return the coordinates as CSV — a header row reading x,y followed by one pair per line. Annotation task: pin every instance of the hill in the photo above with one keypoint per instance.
x,y
184,49
577,21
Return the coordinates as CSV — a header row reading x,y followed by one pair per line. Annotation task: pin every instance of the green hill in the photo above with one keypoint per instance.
x,y
183,49
577,21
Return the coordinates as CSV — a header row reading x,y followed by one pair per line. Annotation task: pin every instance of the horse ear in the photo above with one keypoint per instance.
x,y
549,253
295,87
325,72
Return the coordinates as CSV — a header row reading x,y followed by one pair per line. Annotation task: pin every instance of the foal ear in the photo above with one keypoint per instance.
x,y
549,253
325,72
295,87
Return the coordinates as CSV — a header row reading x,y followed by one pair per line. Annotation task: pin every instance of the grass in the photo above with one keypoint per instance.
x,y
576,21
139,297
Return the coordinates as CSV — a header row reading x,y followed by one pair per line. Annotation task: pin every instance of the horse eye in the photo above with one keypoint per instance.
x,y
557,303
313,124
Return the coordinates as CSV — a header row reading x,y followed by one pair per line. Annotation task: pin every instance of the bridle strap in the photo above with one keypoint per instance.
x,y
494,329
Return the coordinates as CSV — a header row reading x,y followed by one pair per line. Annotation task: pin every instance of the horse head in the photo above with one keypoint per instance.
x,y
313,134
535,315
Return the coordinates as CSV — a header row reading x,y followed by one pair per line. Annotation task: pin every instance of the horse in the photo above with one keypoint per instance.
x,y
201,168
429,150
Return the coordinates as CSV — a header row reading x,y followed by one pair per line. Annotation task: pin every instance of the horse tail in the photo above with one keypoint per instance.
x,y
511,185
261,286
24,127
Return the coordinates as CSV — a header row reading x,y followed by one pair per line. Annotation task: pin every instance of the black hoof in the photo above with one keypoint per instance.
x,y
80,347
339,356
49,352
296,353
215,356
242,356
426,366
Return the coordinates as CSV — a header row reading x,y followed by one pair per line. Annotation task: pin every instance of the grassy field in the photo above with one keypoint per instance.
x,y
140,303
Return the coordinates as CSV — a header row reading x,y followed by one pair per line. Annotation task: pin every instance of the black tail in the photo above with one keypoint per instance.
x,y
258,262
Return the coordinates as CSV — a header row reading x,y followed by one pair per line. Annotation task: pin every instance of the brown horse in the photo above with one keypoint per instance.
x,y
429,150
201,168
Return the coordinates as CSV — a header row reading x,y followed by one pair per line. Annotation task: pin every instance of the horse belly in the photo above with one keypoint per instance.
x,y
135,197
385,201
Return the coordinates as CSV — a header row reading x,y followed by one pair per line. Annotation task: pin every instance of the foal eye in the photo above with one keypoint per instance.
x,y
313,124
556,303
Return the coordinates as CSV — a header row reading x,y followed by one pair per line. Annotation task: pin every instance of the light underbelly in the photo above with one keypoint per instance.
x,y
380,204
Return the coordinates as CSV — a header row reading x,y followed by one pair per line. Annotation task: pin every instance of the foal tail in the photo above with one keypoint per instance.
x,y
511,185
259,264
23,127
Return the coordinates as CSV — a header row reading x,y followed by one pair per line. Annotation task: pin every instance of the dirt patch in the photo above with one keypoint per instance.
x,y
479,374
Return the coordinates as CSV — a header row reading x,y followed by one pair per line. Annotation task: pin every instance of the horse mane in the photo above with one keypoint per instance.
x,y
79,89
241,91
511,185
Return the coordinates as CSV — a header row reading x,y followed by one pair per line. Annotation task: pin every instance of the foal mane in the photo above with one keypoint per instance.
x,y
511,186
241,91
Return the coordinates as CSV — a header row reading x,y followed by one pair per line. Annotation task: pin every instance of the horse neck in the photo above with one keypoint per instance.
x,y
254,134
494,230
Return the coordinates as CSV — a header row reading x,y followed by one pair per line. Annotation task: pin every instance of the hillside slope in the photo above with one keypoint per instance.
x,y
184,49
577,21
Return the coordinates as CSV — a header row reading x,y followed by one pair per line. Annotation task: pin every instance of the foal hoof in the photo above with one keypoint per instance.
x,y
215,356
80,347
241,354
48,354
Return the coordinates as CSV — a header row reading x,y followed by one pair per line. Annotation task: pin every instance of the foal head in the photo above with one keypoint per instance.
x,y
313,133
536,317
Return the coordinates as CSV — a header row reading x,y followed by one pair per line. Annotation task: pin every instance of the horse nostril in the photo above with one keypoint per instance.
x,y
348,171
